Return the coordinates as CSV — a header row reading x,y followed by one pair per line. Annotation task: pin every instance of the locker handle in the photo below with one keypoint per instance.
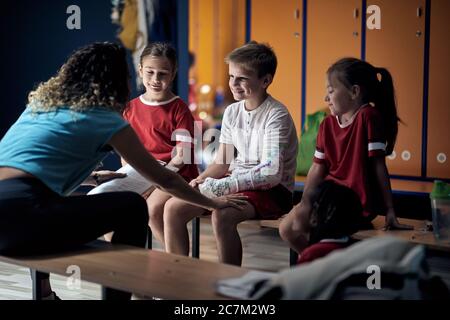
x,y
419,12
296,14
355,13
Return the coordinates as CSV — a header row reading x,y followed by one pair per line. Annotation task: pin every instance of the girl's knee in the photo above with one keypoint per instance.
x,y
156,209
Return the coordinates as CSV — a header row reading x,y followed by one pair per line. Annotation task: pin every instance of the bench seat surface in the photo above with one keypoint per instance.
x,y
146,272
399,186
419,235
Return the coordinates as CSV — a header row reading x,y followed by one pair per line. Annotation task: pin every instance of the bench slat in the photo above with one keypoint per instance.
x,y
146,272
419,235
399,186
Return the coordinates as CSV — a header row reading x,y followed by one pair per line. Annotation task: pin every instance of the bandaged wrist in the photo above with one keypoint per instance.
x,y
213,188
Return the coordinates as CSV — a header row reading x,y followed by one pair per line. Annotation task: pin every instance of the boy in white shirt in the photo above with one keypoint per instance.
x,y
262,131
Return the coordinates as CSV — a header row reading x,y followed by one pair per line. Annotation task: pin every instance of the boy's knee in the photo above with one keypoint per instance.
x,y
216,218
220,219
172,210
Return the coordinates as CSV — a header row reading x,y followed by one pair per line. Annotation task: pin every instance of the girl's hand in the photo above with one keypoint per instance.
x,y
393,224
106,175
195,182
237,201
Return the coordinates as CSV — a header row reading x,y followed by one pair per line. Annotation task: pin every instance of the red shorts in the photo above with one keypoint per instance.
x,y
319,250
271,203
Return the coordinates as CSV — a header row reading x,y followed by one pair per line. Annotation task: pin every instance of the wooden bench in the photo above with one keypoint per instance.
x,y
420,234
274,224
131,269
399,187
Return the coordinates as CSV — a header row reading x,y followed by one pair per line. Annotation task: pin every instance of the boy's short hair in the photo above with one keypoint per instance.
x,y
338,211
258,57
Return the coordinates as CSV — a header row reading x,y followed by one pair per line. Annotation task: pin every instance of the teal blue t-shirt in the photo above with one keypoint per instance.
x,y
61,148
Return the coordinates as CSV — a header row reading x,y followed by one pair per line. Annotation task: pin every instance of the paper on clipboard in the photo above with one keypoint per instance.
x,y
134,181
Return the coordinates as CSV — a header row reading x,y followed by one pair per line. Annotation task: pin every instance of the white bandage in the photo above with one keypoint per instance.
x,y
213,188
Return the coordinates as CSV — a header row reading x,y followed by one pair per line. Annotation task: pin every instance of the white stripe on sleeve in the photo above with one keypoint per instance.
x,y
377,146
183,138
319,155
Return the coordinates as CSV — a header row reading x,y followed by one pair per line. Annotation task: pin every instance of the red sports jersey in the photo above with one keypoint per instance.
x,y
319,250
155,123
345,151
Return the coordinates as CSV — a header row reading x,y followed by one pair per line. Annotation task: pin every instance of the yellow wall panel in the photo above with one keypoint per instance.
x,y
279,23
438,154
333,32
215,28
399,47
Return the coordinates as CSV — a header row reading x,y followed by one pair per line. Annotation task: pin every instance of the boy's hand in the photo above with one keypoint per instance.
x,y
393,224
196,182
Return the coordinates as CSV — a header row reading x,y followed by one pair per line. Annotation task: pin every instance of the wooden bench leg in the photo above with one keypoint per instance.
x,y
103,293
114,294
293,256
36,280
196,237
148,245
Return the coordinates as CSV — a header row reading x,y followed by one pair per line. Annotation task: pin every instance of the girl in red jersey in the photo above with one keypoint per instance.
x,y
352,144
163,123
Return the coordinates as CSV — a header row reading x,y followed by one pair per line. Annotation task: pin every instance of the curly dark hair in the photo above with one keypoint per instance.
x,y
337,210
95,75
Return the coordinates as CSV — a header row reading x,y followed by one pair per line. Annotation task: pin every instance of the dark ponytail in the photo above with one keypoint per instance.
x,y
385,102
352,71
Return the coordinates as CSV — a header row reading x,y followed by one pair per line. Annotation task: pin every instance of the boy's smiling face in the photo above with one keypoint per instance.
x,y
245,84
